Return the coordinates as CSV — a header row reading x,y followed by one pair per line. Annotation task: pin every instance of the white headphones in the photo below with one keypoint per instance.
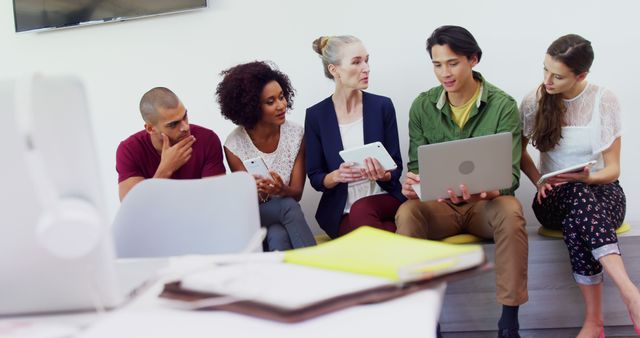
x,y
69,227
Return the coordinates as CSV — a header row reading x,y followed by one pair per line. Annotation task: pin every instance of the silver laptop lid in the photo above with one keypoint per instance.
x,y
481,163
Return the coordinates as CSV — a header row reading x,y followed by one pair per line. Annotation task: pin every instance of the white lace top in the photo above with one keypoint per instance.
x,y
579,113
281,160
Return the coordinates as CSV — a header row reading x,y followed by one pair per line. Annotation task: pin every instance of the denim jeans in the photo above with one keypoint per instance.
x,y
286,225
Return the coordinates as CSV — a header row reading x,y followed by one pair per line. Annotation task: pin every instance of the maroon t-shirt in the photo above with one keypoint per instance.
x,y
136,156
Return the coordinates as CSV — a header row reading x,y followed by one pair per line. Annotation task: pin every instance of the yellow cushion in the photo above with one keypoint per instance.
x,y
321,238
623,228
463,239
542,231
456,239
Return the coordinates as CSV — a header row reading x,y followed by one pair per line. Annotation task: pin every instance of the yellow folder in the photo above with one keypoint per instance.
x,y
371,251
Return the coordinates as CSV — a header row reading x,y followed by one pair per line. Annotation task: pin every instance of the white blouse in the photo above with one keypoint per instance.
x,y
592,123
352,135
281,160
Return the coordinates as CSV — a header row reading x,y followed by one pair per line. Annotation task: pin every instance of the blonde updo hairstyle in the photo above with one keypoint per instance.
x,y
329,49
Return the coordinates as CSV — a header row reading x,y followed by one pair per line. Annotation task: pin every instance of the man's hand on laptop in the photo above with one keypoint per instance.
x,y
466,197
407,186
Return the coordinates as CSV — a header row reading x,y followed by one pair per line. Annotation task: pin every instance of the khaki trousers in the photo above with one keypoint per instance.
x,y
500,219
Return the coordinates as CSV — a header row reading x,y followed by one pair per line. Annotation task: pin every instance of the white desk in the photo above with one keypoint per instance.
x,y
414,315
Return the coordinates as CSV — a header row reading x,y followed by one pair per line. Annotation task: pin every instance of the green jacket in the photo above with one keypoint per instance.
x,y
430,122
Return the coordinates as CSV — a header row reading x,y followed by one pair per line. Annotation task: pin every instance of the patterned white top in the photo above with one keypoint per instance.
x,y
281,160
579,114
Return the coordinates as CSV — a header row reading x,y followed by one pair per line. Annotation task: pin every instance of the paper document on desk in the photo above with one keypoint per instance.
x,y
375,252
285,286
365,266
278,291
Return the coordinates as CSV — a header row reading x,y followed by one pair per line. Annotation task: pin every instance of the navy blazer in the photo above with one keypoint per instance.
x,y
323,142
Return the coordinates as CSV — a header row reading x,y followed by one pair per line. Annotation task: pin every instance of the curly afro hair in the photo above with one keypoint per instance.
x,y
240,90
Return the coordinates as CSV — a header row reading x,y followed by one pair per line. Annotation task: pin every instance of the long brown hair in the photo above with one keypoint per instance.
x,y
576,53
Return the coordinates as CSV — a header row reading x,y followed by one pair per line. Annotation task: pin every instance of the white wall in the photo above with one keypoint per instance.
x,y
185,52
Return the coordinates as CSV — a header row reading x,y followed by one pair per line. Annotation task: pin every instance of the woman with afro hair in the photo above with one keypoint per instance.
x,y
256,96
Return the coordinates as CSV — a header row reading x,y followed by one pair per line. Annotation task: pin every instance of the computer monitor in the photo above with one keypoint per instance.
x,y
49,260
43,15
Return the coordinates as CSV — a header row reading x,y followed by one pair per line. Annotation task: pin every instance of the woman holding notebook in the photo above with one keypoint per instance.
x,y
351,195
570,121
256,97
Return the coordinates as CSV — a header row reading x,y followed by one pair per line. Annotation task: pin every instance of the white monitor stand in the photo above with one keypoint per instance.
x,y
43,269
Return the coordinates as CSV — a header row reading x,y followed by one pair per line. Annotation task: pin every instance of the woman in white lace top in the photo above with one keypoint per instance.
x,y
256,97
571,121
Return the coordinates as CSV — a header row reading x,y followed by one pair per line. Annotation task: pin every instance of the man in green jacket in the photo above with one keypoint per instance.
x,y
465,105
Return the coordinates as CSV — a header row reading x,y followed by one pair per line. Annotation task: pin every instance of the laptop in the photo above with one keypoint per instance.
x,y
481,163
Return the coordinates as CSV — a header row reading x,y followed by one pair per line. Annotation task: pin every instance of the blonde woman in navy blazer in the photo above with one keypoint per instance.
x,y
350,117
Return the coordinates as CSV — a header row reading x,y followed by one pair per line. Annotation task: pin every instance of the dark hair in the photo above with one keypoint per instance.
x,y
457,38
576,53
154,99
240,89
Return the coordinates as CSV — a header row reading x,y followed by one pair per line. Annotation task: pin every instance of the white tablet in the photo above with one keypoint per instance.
x,y
256,166
577,167
374,150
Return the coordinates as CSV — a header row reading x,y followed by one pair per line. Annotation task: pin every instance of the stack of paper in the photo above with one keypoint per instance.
x,y
287,286
365,266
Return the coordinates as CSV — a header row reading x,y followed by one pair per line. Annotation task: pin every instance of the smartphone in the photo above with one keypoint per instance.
x,y
375,150
573,168
256,166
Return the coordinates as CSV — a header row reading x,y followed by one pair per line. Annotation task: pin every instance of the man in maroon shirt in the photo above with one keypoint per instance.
x,y
168,147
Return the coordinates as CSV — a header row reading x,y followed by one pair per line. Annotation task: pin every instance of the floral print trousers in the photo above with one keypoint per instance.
x,y
588,216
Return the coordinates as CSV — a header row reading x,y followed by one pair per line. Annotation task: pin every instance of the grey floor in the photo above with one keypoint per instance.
x,y
614,331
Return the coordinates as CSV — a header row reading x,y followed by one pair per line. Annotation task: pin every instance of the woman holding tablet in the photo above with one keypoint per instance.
x,y
256,96
350,118
571,121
